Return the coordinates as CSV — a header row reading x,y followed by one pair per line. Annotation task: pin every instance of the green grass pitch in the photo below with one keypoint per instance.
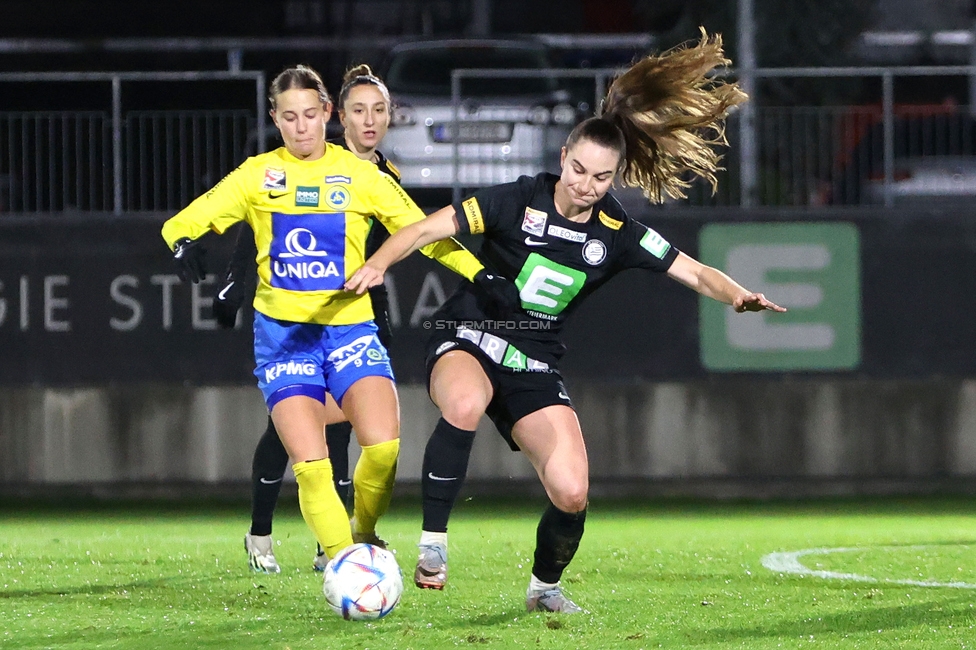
x,y
650,575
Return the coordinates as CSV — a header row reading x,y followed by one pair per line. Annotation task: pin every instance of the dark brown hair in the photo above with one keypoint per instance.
x,y
671,116
358,76
302,77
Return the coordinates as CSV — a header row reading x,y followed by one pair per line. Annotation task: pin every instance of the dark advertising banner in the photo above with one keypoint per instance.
x,y
92,300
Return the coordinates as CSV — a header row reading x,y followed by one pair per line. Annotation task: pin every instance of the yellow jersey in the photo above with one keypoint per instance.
x,y
310,221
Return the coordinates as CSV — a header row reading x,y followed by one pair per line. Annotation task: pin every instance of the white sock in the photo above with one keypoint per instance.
x,y
429,538
536,585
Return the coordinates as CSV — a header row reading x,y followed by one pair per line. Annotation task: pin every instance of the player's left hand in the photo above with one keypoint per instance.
x,y
502,292
190,258
365,277
755,302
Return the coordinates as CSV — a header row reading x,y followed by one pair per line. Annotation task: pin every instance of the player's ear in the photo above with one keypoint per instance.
x,y
274,117
562,157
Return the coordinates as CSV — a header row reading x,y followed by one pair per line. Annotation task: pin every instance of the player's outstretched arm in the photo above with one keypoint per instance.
x,y
712,283
439,225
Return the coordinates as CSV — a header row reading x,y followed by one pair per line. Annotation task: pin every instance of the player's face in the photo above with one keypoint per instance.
x,y
588,170
301,116
366,116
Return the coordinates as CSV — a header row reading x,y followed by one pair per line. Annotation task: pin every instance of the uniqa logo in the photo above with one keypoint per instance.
x,y
293,242
300,242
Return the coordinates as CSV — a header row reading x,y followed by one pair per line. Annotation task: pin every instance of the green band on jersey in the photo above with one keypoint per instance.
x,y
546,286
655,244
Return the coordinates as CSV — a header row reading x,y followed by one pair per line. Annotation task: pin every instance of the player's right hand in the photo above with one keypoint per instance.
x,y
190,257
227,302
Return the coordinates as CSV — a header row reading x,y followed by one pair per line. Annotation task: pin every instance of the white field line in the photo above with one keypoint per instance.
x,y
789,562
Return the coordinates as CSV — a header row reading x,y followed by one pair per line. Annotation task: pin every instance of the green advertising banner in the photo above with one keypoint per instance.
x,y
813,269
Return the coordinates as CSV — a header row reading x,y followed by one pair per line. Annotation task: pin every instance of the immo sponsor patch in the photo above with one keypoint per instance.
x,y
307,197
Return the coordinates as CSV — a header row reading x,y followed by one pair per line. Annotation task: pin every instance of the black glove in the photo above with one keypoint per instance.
x,y
227,302
502,293
190,259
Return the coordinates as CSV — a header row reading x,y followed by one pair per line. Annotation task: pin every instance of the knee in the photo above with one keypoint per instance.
x,y
464,412
571,498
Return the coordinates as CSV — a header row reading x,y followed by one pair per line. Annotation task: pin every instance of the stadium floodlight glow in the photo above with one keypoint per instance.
x,y
538,115
563,114
403,115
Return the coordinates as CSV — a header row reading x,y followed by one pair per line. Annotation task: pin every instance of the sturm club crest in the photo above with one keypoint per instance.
x,y
594,252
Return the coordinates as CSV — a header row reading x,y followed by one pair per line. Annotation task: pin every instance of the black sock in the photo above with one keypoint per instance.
x,y
337,437
444,469
267,470
556,540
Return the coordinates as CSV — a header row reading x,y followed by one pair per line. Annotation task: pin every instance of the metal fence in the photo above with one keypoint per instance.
x,y
120,160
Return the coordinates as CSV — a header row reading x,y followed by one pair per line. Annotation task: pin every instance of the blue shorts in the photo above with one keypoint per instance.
x,y
309,359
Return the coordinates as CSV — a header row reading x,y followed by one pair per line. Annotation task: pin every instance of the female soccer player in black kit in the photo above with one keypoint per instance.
x,y
560,238
364,111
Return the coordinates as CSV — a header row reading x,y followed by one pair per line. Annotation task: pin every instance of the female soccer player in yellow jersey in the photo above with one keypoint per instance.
x,y
309,204
364,112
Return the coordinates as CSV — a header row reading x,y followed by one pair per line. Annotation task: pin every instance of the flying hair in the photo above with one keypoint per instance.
x,y
301,77
671,112
358,76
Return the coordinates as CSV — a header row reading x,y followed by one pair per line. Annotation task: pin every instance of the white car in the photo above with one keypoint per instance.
x,y
506,127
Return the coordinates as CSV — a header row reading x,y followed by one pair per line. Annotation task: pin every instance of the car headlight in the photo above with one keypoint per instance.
x,y
403,115
563,114
538,115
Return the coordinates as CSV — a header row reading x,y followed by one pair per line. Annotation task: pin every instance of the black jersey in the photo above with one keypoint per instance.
x,y
556,263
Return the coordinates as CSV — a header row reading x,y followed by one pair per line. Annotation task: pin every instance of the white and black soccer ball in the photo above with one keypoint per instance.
x,y
363,582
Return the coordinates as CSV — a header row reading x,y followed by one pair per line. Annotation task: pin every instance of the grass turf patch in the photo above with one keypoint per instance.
x,y
649,574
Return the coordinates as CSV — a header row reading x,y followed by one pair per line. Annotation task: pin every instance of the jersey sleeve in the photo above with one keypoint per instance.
x,y
217,210
395,209
644,248
491,208
245,251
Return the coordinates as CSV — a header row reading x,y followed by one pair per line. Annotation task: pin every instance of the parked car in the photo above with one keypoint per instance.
x,y
505,127
934,160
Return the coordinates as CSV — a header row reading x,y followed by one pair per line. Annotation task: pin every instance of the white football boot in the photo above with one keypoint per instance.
x,y
550,600
260,553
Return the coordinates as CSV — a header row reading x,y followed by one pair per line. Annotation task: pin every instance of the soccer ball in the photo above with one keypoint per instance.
x,y
363,582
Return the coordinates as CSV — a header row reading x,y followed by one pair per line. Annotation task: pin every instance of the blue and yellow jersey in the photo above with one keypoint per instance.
x,y
310,221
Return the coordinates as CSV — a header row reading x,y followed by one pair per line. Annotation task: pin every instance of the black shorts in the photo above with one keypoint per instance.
x,y
517,393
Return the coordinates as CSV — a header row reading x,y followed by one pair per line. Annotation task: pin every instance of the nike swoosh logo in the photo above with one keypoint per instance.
x,y
345,481
531,242
564,396
277,196
431,476
267,482
223,292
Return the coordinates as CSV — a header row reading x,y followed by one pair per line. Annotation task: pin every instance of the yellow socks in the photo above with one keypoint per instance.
x,y
373,481
321,507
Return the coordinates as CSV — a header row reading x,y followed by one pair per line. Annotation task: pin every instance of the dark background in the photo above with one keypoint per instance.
x,y
918,279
